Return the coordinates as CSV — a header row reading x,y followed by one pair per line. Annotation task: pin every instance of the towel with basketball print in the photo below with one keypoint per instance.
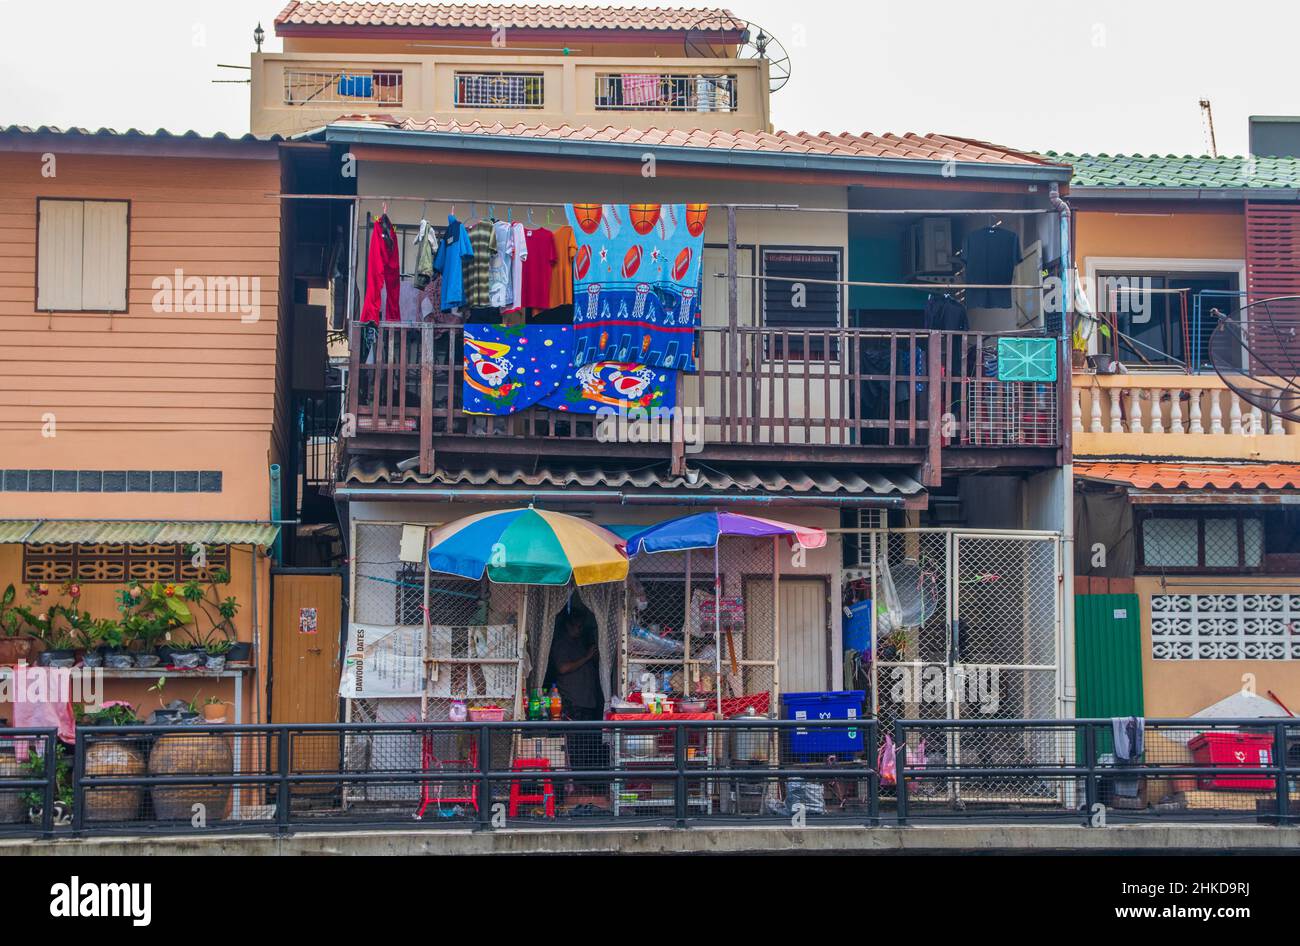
x,y
636,283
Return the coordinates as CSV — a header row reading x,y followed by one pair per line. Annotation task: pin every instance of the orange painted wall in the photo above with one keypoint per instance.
x,y
1173,235
143,389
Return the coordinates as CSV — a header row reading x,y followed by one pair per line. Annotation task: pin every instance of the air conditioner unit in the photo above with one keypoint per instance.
x,y
927,248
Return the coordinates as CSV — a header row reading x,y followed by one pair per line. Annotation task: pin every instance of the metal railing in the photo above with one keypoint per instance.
x,y
660,92
499,90
677,773
343,87
29,788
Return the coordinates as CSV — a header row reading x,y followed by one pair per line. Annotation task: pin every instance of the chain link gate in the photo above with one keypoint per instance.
x,y
979,636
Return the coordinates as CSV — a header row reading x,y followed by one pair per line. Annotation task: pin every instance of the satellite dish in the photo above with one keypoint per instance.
x,y
1256,352
721,36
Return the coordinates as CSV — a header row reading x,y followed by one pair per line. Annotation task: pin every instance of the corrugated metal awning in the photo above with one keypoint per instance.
x,y
135,532
713,481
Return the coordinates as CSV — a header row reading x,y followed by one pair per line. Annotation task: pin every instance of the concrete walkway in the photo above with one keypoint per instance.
x,y
951,839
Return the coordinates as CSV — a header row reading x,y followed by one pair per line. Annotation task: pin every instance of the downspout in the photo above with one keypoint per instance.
x,y
276,488
1069,695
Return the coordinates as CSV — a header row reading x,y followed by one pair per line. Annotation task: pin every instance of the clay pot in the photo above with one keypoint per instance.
x,y
15,650
214,712
114,757
12,809
191,754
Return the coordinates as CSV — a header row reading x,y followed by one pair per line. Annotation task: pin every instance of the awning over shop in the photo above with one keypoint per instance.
x,y
365,477
135,532
1186,481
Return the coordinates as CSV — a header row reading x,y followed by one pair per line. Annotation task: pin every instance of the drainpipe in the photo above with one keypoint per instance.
x,y
1068,693
416,494
275,507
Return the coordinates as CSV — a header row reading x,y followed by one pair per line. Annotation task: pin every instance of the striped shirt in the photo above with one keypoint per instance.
x,y
483,242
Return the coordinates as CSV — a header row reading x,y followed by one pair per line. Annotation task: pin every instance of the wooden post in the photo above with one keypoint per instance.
x,y
733,322
426,400
932,474
678,422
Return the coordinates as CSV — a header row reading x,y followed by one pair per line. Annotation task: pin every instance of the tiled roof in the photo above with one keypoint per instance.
x,y
769,481
927,147
162,134
1140,170
497,15
1223,476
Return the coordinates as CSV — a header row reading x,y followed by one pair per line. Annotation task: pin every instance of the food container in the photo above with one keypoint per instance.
x,y
691,706
486,714
640,745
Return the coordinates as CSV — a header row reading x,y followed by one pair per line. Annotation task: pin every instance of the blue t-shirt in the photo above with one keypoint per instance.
x,y
453,249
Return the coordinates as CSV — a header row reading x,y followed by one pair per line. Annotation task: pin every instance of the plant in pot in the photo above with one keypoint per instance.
x,y
50,626
219,640
214,709
114,644
175,713
15,645
34,768
150,613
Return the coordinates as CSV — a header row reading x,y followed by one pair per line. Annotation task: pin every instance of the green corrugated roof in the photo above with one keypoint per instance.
x,y
108,531
1171,170
15,530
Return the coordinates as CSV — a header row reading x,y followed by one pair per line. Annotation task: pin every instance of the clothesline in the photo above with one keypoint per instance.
x,y
931,287
796,208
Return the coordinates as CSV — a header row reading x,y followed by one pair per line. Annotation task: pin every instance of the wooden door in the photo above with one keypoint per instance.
x,y
805,636
305,648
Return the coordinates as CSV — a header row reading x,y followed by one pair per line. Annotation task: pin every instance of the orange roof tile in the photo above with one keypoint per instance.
x,y
1194,475
497,15
927,147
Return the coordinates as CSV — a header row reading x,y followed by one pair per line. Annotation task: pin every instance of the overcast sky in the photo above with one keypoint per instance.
x,y
1088,75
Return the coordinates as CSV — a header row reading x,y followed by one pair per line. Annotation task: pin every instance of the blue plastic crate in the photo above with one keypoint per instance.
x,y
835,704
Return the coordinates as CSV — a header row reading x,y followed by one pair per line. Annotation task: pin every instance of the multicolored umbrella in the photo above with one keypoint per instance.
x,y
702,531
528,547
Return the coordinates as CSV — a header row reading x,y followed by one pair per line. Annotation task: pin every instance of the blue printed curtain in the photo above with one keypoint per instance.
x,y
510,368
636,283
614,384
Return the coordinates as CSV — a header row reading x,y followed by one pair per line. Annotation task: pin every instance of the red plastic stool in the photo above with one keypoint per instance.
x,y
517,797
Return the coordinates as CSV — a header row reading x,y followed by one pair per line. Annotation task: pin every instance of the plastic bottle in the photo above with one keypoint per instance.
x,y
555,705
534,705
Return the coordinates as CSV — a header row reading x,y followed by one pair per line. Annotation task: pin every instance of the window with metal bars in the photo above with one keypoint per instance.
x,y
1222,540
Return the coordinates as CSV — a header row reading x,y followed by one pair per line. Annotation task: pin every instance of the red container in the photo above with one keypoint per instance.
x,y
1233,750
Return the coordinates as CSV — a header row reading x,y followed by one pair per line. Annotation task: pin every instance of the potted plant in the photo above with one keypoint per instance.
x,y
175,713
35,799
214,710
150,613
219,640
15,646
48,625
215,652
87,635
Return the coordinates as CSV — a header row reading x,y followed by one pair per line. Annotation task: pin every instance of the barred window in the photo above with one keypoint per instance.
x,y
1218,541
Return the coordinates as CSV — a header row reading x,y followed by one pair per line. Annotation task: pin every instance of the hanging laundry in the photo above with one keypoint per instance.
x,y
424,250
562,275
636,282
453,249
991,256
499,265
614,384
510,368
539,267
477,272
382,273
944,313
518,256
640,89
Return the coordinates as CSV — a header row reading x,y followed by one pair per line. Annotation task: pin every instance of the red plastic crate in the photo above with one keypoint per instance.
x,y
1235,750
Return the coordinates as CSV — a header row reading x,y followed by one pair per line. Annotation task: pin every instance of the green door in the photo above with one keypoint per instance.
x,y
1107,659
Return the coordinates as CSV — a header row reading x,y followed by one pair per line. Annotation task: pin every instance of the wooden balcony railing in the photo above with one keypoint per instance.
x,y
778,393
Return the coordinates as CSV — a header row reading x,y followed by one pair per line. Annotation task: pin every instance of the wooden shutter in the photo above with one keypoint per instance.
x,y
58,250
82,256
1273,269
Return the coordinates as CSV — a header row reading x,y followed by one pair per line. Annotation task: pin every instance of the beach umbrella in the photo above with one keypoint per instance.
x,y
528,547
704,531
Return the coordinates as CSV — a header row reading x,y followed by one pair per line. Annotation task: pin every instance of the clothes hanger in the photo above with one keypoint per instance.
x,y
548,217
530,218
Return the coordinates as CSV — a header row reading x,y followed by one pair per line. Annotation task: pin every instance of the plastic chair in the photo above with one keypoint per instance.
x,y
517,796
430,762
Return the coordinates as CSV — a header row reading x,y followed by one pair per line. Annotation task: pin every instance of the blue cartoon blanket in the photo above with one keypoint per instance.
x,y
636,283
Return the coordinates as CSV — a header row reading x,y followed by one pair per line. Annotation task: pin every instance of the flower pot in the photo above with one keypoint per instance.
x,y
214,712
146,661
165,652
114,756
172,717
57,658
214,662
241,652
11,800
187,659
119,661
195,754
14,650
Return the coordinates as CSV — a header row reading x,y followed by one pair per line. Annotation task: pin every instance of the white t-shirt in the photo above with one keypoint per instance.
x,y
518,253
499,294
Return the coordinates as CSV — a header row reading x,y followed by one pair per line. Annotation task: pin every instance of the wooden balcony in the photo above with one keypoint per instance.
x,y
766,395
1174,415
